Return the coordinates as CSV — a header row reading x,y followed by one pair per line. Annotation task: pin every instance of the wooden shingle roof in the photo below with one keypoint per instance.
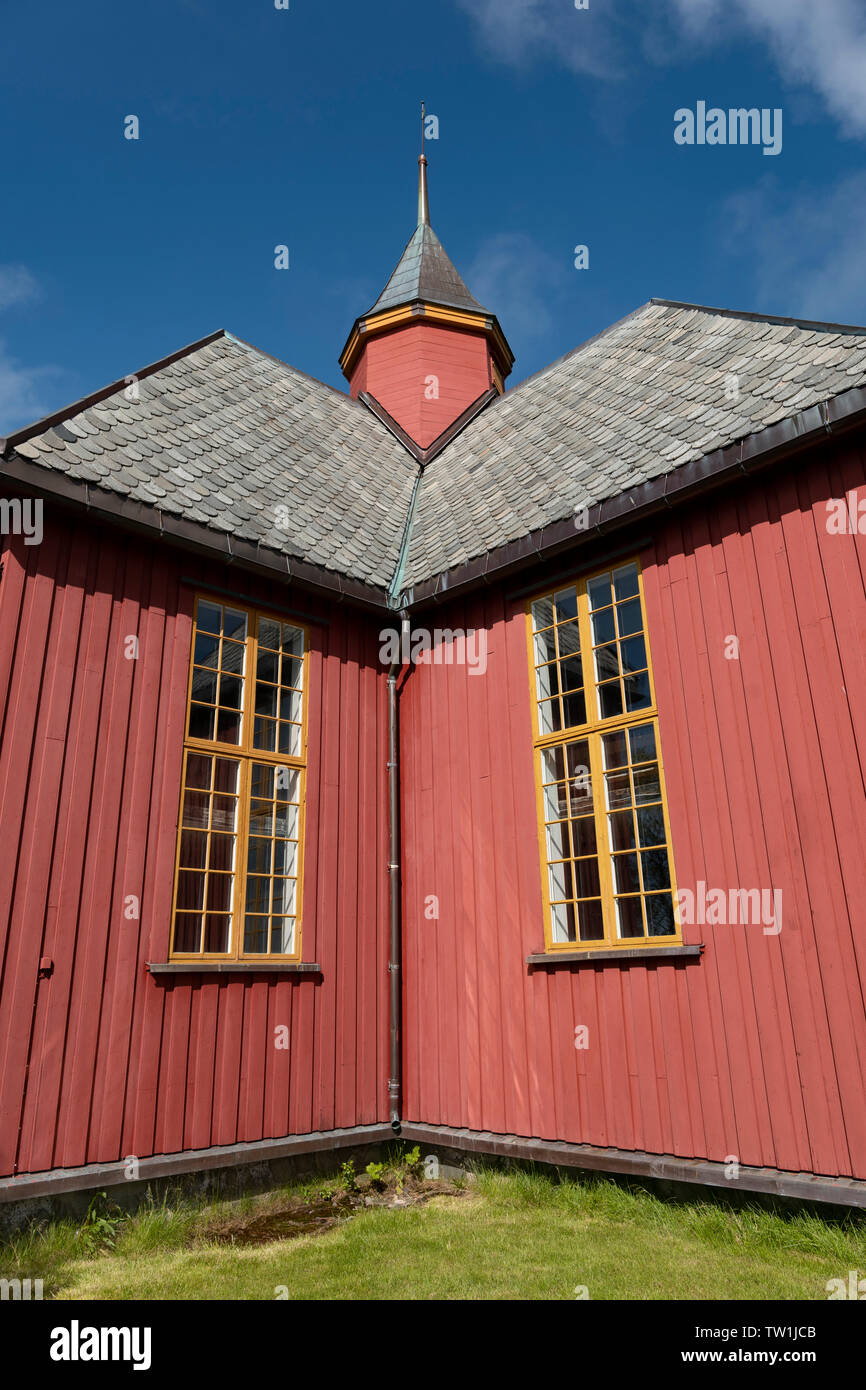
x,y
230,439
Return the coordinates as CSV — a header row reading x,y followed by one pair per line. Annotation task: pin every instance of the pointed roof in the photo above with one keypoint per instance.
x,y
425,271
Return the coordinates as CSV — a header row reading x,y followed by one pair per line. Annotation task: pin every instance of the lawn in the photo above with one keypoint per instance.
x,y
501,1235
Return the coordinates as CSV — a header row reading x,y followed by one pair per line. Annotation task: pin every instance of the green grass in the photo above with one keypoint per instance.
x,y
519,1235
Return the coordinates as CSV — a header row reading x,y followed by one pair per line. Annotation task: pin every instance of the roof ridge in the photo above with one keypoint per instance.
x,y
755,317
296,371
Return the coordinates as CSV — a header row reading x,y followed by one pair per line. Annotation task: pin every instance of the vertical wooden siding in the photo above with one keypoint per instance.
x,y
759,1049
101,1060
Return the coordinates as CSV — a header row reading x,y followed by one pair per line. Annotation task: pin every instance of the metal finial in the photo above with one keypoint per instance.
x,y
423,205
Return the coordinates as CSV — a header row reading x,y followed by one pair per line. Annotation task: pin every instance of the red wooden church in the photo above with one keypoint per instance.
x,y
487,763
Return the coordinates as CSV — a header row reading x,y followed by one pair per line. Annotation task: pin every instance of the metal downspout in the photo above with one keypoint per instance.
x,y
394,953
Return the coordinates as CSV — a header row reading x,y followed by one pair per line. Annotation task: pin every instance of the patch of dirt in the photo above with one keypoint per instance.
x,y
300,1217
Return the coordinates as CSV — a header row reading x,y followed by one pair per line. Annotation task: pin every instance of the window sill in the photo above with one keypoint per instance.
x,y
234,967
621,955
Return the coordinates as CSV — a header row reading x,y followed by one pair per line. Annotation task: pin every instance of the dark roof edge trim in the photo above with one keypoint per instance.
x,y
787,437
144,518
817,324
424,456
58,416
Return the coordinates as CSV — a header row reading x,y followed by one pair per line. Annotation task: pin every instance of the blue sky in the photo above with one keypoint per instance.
x,y
261,127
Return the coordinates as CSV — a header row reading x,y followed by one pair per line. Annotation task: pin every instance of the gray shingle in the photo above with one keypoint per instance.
x,y
640,400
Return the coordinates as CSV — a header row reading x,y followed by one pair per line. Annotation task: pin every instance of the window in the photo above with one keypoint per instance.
x,y
603,826
240,833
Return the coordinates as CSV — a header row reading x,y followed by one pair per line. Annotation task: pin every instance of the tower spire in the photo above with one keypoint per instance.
x,y
423,205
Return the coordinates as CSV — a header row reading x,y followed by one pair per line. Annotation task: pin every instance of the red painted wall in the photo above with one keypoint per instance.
x,y
394,368
759,1049
102,1060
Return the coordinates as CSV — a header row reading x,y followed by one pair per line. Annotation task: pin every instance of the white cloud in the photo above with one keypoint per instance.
x,y
807,253
819,43
520,31
516,280
17,285
25,392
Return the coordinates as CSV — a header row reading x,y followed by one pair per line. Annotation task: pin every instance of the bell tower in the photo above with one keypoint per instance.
x,y
427,350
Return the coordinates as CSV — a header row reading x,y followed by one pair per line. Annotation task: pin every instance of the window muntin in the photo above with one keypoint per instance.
x,y
603,828
240,836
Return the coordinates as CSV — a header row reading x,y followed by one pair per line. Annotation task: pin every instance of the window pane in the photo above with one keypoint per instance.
x,y
193,849
196,807
558,846
187,933
637,691
603,626
586,879
615,754
219,892
583,836
216,933
654,869
625,874
625,581
606,662
231,691
293,641
660,915
651,825
201,721
622,830
204,686
190,890
565,604
642,743
647,786
545,646
255,935
610,699
206,650
290,739
268,667
269,634
633,654
282,935
552,765
563,922
574,711
259,855
292,672
265,736
235,625
598,590
568,639
628,617
266,700
233,657
208,617
542,613
629,917
258,894
198,770
225,775
589,915
222,852
560,883
228,726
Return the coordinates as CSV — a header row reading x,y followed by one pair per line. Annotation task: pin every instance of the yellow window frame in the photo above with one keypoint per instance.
x,y
591,732
245,754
